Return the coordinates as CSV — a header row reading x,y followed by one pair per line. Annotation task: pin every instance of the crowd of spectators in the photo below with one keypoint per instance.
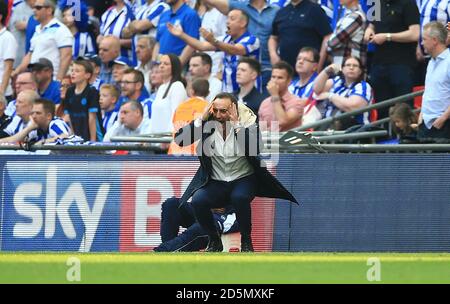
x,y
99,69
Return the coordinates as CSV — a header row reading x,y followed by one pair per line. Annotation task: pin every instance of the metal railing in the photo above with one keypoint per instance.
x,y
156,142
377,105
362,148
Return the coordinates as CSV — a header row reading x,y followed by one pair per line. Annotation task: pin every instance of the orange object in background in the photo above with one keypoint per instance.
x,y
418,99
184,114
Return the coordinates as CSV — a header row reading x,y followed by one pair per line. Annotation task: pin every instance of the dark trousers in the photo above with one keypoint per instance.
x,y
389,81
218,194
424,133
173,216
265,77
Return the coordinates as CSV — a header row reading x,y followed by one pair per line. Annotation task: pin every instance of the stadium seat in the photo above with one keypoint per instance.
x,y
418,99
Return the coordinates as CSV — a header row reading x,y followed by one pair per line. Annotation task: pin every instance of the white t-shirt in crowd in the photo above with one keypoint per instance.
x,y
216,22
8,51
163,109
47,41
215,87
21,13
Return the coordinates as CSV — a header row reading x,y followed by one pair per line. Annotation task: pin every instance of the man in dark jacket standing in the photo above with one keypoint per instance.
x,y
230,169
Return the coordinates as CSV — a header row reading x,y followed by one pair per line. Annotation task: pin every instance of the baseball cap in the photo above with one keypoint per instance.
x,y
122,60
41,64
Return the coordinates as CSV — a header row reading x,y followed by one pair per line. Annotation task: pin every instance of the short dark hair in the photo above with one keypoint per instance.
x,y
86,65
315,52
135,105
200,87
229,96
138,76
3,12
253,63
283,65
47,105
206,59
244,14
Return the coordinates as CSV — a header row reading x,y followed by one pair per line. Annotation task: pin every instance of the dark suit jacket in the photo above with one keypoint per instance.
x,y
267,184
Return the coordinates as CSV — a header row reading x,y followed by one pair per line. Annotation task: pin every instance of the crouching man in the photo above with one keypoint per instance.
x,y
231,171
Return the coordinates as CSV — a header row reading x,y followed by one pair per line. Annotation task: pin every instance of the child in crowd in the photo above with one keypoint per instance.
x,y
82,106
188,111
77,22
404,121
109,95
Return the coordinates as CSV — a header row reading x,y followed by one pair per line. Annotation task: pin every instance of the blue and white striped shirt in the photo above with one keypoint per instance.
x,y
109,118
15,126
11,108
362,89
83,45
302,91
56,127
152,12
113,22
136,5
97,83
230,62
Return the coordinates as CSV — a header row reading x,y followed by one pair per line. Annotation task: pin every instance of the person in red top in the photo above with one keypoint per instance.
x,y
188,111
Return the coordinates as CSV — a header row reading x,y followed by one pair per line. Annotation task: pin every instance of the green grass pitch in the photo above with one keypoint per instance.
x,y
234,268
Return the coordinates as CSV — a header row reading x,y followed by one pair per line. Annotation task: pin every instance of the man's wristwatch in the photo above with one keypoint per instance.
x,y
389,37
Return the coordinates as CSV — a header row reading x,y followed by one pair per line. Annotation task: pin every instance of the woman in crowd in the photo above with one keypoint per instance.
x,y
170,94
344,91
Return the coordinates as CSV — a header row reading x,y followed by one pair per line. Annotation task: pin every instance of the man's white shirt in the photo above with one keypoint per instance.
x,y
47,41
8,51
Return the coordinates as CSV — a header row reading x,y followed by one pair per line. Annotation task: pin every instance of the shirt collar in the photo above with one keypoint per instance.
x,y
443,55
52,22
2,30
48,25
240,37
311,79
180,9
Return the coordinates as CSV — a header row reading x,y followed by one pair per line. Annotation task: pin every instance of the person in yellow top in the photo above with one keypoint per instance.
x,y
188,111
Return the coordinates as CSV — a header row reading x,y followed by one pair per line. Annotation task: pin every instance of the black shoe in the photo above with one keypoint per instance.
x,y
246,245
214,245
